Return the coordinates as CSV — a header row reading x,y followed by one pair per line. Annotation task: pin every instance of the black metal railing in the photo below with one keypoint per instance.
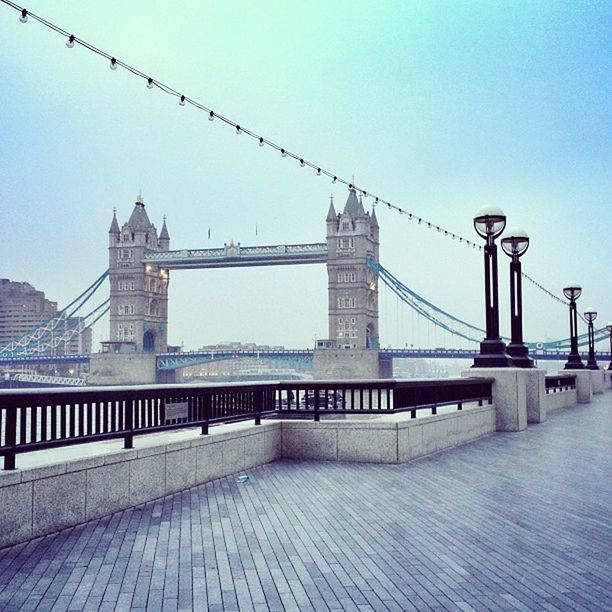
x,y
560,382
47,418
306,399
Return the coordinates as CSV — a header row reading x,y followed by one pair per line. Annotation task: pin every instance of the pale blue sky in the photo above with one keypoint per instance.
x,y
440,107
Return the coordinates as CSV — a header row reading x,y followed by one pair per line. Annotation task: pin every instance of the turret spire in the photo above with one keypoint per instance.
x,y
114,228
353,207
331,215
164,235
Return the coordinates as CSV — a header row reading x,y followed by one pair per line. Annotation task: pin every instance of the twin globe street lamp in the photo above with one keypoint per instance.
x,y
572,292
515,243
489,223
590,314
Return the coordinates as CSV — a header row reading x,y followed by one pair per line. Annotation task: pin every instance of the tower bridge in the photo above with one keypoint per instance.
x,y
140,261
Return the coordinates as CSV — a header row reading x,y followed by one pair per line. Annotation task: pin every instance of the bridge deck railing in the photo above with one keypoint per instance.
x,y
38,419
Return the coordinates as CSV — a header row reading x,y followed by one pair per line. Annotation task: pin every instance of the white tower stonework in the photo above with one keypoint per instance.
x,y
353,289
352,349
138,290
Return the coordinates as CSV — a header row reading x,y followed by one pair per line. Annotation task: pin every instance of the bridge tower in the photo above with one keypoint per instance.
x,y
352,348
352,236
138,291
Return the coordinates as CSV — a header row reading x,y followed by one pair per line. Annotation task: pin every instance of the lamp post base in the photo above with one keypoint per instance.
x,y
592,365
574,362
519,354
492,355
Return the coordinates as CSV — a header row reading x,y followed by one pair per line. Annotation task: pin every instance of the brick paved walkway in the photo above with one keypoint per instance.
x,y
512,521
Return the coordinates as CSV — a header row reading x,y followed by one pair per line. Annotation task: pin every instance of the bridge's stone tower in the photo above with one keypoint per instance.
x,y
353,290
138,290
352,348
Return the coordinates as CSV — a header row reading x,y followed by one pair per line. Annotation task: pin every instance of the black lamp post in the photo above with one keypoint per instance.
x,y
572,292
515,243
489,223
590,314
609,328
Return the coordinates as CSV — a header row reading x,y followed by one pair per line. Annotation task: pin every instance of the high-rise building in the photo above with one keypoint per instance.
x,y
24,308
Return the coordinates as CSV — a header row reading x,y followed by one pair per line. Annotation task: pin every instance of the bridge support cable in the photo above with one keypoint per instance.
x,y
426,309
58,329
453,324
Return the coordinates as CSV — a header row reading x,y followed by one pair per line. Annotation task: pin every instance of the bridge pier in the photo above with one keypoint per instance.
x,y
122,369
338,364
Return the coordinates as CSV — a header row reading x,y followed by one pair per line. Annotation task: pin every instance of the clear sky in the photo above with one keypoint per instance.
x,y
440,107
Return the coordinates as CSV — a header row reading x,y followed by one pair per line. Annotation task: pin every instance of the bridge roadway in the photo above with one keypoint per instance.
x,y
511,521
171,361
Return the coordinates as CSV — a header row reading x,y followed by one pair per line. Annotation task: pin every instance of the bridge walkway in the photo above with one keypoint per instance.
x,y
511,521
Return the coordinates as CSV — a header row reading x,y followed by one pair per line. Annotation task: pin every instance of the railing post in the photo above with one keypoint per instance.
x,y
206,401
11,437
128,409
258,399
316,405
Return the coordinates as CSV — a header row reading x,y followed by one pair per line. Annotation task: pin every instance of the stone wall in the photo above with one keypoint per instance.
x,y
561,399
38,501
386,440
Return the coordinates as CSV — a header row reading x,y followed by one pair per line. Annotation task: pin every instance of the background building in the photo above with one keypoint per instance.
x,y
23,308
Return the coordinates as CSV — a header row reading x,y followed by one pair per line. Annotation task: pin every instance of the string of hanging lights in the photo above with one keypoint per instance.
x,y
183,100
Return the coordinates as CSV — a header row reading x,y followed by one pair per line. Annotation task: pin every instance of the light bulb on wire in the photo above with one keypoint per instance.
x,y
211,116
70,41
182,101
24,16
150,83
261,141
113,64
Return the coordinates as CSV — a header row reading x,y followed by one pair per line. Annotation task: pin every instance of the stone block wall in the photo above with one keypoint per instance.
x,y
385,440
561,399
38,501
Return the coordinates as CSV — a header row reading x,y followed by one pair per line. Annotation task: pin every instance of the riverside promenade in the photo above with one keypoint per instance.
x,y
510,521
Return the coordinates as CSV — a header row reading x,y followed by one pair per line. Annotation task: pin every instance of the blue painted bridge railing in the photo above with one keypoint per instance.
x,y
36,419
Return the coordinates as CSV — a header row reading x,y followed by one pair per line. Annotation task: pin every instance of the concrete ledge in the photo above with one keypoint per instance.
x,y
512,389
393,439
561,399
42,500
584,386
598,380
